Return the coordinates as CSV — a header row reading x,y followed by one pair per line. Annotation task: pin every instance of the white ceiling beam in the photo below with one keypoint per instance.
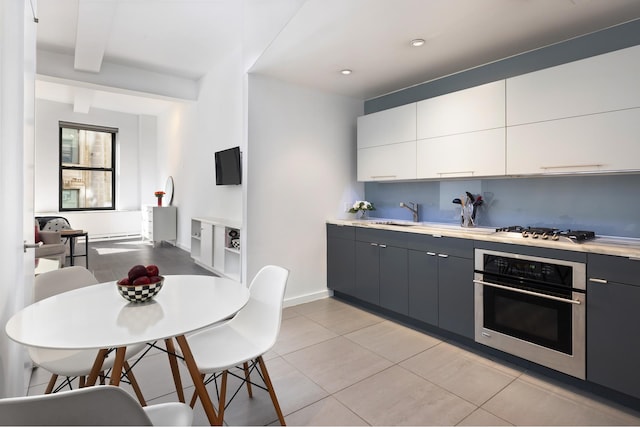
x,y
82,100
95,18
118,77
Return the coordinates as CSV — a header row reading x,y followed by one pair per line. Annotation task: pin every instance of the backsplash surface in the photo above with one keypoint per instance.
x,y
608,205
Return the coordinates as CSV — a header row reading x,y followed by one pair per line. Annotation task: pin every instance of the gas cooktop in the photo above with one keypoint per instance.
x,y
544,233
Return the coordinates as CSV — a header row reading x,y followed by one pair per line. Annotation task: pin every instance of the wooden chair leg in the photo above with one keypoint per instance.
x,y
81,381
134,383
52,383
272,392
223,397
247,378
173,362
194,398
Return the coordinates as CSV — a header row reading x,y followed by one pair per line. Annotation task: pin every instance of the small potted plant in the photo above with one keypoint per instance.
x,y
159,194
361,207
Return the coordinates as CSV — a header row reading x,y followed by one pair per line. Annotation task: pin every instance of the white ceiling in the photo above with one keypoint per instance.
x,y
306,42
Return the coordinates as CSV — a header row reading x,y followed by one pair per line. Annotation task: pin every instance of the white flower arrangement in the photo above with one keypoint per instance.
x,y
362,206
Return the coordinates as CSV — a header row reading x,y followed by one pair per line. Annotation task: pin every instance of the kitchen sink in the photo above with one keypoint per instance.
x,y
397,224
434,227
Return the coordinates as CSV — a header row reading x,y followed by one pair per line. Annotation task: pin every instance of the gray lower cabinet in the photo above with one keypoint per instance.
x,y
613,298
367,272
394,285
441,282
423,286
455,295
341,252
381,268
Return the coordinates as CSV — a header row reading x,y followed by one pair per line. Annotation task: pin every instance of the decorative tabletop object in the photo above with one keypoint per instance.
x,y
159,194
141,284
360,208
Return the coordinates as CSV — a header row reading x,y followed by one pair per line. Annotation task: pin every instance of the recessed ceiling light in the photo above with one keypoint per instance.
x,y
346,72
417,42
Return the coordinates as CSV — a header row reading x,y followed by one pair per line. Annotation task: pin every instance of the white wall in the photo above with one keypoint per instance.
x,y
48,114
138,175
188,137
301,160
150,175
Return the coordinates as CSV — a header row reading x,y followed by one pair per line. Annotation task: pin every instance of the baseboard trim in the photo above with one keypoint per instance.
x,y
289,302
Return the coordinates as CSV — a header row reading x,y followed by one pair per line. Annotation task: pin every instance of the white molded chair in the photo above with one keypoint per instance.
x,y
72,363
245,338
100,405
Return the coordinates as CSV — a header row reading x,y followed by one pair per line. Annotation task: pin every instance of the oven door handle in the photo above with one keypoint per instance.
x,y
524,291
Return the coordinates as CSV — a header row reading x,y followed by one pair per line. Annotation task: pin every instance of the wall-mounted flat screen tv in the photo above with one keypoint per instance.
x,y
228,169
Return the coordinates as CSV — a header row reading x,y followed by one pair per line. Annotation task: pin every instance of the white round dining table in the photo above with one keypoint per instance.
x,y
98,317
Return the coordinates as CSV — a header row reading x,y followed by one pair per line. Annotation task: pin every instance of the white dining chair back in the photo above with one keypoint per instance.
x,y
71,363
62,280
259,320
245,338
100,405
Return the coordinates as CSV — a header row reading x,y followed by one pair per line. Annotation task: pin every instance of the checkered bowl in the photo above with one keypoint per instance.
x,y
140,293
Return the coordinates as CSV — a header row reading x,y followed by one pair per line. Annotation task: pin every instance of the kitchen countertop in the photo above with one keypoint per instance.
x,y
618,246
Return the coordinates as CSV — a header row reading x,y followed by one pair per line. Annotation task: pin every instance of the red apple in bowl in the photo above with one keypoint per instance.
x,y
152,270
143,280
136,271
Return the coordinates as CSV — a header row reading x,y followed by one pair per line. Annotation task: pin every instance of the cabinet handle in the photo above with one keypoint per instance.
x,y
373,244
383,176
443,255
431,253
383,246
595,165
593,279
456,173
437,236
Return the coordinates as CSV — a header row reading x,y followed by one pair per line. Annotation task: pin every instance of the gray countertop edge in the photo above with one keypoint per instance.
x,y
605,245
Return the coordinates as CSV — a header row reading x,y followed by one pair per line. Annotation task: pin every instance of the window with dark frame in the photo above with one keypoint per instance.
x,y
87,167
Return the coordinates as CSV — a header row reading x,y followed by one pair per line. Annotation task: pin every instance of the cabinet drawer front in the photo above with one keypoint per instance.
x,y
421,242
387,162
341,231
613,269
462,248
459,155
382,237
596,143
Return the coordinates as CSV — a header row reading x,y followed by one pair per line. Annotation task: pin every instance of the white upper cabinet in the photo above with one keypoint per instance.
x,y
473,154
387,127
462,134
606,142
477,108
387,162
598,84
387,144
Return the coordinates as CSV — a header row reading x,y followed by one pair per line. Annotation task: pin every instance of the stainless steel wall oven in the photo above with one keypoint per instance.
x,y
532,307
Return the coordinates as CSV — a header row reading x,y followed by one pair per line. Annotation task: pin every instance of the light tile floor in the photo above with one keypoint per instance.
x,y
335,364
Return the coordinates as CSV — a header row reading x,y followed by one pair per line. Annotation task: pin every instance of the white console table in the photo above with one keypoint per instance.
x,y
212,246
159,223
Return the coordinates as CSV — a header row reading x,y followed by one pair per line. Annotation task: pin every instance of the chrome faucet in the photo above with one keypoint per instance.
x,y
413,208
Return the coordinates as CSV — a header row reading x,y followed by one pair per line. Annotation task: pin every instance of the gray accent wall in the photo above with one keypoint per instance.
x,y
606,204
608,40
